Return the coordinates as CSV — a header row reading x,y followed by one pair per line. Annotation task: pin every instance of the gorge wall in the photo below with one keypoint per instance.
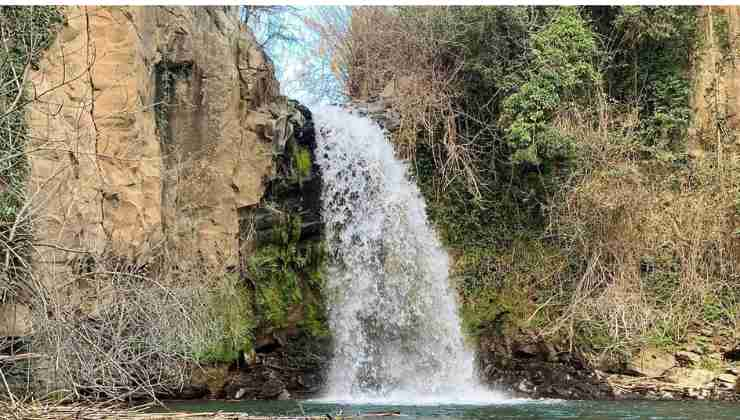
x,y
152,128
158,138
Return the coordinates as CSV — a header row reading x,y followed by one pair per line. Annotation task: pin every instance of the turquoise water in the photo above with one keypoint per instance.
x,y
530,410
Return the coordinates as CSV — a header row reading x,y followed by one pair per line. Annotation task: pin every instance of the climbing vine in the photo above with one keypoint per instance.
x,y
26,32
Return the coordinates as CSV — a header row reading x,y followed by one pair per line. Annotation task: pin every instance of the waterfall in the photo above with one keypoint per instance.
x,y
392,310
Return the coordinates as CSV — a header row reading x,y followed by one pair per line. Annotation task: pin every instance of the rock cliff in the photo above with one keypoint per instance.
x,y
152,128
158,138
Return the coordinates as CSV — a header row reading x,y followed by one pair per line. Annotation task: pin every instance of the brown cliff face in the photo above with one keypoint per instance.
x,y
153,127
155,96
716,77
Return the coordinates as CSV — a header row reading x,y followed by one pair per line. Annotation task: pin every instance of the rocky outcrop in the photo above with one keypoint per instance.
x,y
294,370
153,127
292,348
379,109
716,80
534,367
159,139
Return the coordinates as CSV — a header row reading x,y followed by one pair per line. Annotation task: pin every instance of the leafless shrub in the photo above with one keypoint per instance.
x,y
376,52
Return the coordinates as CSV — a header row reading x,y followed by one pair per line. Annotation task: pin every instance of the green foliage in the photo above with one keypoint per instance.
x,y
28,31
651,70
519,67
562,67
490,43
502,288
230,310
517,98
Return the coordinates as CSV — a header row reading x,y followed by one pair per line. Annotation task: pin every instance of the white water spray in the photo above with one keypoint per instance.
x,y
392,311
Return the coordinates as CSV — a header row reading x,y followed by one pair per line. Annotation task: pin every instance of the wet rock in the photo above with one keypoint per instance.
x,y
260,383
212,379
535,368
733,355
272,389
193,391
296,369
526,386
380,110
525,351
532,367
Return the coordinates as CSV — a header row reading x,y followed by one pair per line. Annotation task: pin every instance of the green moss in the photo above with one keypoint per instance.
x,y
302,162
314,321
509,287
288,276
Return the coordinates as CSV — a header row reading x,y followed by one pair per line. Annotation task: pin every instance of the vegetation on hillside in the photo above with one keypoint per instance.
x,y
552,145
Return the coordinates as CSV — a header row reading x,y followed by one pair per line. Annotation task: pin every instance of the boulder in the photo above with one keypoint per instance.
x,y
690,378
651,362
688,357
259,383
728,378
211,378
694,348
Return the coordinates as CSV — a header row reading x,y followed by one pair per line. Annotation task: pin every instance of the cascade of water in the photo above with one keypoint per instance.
x,y
392,311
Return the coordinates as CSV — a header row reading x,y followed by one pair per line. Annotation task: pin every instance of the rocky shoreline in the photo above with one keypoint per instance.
x,y
522,365
532,367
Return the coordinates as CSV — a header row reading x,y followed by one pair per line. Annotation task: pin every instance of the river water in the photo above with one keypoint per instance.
x,y
513,409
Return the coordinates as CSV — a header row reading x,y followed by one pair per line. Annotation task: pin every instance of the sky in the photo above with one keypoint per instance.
x,y
302,65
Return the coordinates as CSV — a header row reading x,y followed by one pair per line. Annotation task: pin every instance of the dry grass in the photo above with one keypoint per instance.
x,y
131,334
657,240
384,54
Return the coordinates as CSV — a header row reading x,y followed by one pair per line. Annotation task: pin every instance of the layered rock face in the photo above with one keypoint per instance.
x,y
153,127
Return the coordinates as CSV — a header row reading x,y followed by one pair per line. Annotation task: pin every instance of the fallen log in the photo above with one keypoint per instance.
x,y
5,358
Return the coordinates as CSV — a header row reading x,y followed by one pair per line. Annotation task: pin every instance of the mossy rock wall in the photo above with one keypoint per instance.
x,y
282,262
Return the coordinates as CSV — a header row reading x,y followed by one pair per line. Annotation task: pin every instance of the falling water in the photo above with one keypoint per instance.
x,y
392,311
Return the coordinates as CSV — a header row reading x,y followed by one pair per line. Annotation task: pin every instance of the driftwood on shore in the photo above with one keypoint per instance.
x,y
44,411
4,358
